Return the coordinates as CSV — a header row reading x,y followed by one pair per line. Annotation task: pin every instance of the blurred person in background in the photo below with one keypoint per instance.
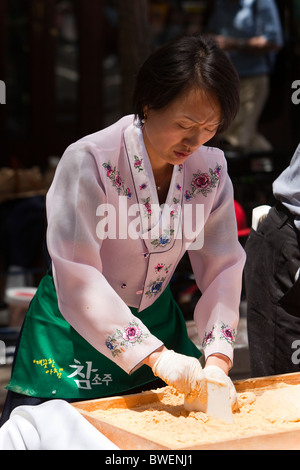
x,y
250,32
272,280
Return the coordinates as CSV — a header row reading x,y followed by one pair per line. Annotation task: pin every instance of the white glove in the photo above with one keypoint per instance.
x,y
216,374
179,371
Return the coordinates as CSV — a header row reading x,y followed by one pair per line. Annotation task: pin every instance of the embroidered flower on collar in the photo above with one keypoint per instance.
x,y
138,163
113,174
203,182
162,266
121,340
163,239
147,206
224,333
175,207
155,287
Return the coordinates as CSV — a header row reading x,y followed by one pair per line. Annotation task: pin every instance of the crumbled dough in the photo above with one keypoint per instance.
x,y
168,423
280,407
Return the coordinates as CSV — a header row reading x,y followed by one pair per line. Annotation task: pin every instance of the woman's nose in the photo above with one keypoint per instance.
x,y
195,140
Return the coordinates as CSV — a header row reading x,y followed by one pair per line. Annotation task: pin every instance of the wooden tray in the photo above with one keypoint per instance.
x,y
128,440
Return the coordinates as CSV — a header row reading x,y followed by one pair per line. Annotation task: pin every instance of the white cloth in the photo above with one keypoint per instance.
x,y
97,276
53,425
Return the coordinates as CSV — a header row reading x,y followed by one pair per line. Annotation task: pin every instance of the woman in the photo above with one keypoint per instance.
x,y
103,320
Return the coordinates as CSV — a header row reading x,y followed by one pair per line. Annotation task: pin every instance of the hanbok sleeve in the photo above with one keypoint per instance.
x,y
85,297
218,268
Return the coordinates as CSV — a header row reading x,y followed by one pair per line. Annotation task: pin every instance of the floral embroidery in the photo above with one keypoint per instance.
x,y
180,167
143,186
187,195
155,287
116,180
174,208
122,340
164,239
162,266
159,267
228,334
203,182
208,338
147,206
224,332
138,163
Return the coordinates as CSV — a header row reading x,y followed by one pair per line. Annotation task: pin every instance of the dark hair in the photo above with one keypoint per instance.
x,y
182,64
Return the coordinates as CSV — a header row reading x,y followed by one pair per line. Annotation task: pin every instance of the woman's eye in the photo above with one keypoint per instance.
x,y
184,127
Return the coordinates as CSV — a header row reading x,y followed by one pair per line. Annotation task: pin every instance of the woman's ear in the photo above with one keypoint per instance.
x,y
145,111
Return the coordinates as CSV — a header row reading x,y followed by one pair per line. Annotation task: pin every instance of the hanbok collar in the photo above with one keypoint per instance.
x,y
159,223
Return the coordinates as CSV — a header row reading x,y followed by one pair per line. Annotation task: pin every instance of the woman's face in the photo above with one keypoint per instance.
x,y
172,134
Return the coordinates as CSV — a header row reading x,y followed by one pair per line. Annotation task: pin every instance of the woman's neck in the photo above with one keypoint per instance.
x,y
162,170
162,177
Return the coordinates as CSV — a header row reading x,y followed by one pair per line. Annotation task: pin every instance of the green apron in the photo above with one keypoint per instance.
x,y
54,361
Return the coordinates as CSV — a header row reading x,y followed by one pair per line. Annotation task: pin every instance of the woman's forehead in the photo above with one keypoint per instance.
x,y
197,105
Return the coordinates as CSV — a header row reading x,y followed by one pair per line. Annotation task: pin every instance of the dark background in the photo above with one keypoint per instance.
x,y
69,66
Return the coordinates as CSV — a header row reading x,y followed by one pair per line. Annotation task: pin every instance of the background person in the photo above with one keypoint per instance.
x,y
272,280
250,32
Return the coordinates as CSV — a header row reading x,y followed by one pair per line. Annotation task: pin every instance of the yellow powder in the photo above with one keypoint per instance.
x,y
168,422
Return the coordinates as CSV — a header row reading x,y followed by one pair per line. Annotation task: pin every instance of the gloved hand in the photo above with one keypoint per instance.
x,y
179,371
216,374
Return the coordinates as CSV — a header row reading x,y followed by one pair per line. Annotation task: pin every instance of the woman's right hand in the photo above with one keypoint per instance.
x,y
179,371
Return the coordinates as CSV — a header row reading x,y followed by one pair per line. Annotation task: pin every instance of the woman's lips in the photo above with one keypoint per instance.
x,y
182,154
